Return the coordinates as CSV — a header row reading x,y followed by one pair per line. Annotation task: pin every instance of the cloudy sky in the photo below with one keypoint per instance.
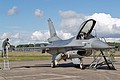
x,y
25,21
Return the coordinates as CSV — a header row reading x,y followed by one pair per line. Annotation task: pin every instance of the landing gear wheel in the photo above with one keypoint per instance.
x,y
81,66
53,64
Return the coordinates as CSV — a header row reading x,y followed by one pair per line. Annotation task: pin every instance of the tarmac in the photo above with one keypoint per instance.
x,y
41,70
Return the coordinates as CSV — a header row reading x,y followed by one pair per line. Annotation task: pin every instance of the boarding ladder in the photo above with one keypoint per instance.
x,y
6,64
103,58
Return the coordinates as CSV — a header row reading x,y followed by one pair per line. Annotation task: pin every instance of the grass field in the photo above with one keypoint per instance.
x,y
18,56
26,56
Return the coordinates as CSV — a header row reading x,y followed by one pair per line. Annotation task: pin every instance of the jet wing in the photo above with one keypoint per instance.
x,y
77,47
53,47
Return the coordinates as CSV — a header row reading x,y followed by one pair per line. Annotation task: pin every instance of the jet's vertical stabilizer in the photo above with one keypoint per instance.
x,y
53,35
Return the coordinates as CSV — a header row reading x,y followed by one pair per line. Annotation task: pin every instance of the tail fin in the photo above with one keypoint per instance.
x,y
53,35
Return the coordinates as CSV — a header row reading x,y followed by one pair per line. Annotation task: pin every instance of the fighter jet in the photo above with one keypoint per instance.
x,y
75,48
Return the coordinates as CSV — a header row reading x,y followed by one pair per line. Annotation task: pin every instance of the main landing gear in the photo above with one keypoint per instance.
x,y
55,59
81,64
53,64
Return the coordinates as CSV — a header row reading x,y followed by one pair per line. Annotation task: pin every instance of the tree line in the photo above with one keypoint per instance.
x,y
114,44
31,45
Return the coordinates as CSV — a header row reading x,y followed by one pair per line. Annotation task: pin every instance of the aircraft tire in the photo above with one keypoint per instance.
x,y
53,64
81,66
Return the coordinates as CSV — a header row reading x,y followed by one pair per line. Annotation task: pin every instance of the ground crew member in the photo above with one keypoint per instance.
x,y
4,45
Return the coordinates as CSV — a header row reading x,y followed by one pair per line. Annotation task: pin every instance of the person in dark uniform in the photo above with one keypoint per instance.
x,y
4,45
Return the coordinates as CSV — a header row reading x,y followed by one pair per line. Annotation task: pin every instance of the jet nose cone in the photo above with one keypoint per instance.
x,y
98,44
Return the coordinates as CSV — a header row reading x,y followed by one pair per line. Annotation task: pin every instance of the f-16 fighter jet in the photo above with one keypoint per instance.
x,y
76,47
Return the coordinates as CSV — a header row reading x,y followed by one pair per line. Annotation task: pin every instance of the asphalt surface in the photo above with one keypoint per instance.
x,y
41,70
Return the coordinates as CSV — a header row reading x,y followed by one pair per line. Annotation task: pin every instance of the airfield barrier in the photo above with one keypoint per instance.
x,y
28,49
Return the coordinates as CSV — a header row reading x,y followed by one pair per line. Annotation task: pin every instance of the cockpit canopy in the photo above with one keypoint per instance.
x,y
86,29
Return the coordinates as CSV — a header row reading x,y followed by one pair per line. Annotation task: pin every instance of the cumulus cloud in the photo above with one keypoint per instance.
x,y
70,21
44,35
71,14
15,38
106,25
12,11
34,37
40,35
16,35
38,13
10,35
5,35
64,35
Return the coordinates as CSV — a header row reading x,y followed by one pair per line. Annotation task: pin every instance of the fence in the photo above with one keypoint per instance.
x,y
29,49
